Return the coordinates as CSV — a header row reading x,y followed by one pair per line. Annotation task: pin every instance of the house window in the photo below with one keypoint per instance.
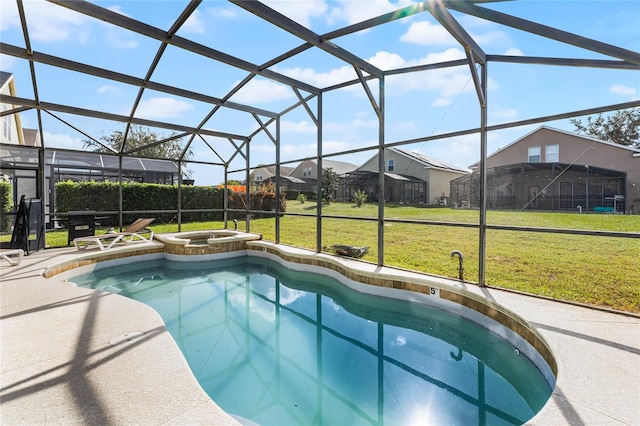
x,y
390,164
259,177
534,154
306,171
552,153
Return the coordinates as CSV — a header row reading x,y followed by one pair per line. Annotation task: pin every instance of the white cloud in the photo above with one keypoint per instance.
x,y
622,90
51,23
441,102
194,24
299,127
460,151
426,34
490,37
267,150
117,40
259,91
514,52
221,12
346,128
387,61
335,146
350,11
47,22
320,79
7,62
508,113
383,60
447,81
106,89
61,140
291,151
450,54
118,37
118,9
158,108
369,124
300,11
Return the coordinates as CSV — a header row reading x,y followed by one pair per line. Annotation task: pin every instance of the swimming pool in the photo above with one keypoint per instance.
x,y
279,346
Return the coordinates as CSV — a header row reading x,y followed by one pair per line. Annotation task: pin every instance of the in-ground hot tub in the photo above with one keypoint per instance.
x,y
206,242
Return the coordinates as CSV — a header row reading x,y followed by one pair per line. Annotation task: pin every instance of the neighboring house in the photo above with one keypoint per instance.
x,y
410,178
12,131
551,169
25,181
262,174
304,177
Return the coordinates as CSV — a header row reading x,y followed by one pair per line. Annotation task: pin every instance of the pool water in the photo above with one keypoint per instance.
x,y
281,347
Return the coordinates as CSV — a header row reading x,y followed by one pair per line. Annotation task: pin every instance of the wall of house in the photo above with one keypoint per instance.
x,y
8,126
11,131
262,172
298,171
438,180
439,183
578,150
402,165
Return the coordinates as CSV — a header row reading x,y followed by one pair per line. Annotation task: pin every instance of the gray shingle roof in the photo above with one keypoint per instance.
x,y
340,167
428,161
4,77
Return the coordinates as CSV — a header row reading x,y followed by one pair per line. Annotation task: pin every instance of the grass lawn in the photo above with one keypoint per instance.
x,y
603,271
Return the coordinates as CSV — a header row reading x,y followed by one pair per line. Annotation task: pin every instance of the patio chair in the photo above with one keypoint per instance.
x,y
14,256
133,232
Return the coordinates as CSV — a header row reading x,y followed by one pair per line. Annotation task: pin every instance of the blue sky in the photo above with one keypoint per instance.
x,y
417,105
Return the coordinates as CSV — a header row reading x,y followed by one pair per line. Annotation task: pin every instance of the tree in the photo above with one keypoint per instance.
x,y
329,184
622,128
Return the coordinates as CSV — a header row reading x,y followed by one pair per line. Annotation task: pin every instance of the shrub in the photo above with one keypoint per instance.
x,y
259,201
301,198
6,205
359,197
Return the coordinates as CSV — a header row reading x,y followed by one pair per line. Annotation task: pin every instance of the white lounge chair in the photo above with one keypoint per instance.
x,y
133,232
13,256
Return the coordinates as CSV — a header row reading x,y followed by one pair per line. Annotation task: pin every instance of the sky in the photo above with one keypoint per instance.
x,y
416,105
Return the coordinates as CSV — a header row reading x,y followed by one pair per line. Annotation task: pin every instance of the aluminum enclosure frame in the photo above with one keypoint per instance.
x,y
476,59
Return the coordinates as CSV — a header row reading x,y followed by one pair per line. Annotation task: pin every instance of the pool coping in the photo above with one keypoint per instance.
x,y
587,388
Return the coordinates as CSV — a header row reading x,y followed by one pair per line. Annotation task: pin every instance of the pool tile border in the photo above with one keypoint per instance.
x,y
94,257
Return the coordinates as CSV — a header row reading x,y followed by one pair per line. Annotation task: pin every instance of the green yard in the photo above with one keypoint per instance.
x,y
603,271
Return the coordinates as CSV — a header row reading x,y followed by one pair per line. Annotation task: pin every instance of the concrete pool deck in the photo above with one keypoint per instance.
x,y
74,355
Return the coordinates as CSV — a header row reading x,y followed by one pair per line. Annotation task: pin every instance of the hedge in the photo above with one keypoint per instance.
x,y
103,196
6,205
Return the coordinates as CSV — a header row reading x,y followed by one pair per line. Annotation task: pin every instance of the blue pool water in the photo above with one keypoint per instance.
x,y
281,347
